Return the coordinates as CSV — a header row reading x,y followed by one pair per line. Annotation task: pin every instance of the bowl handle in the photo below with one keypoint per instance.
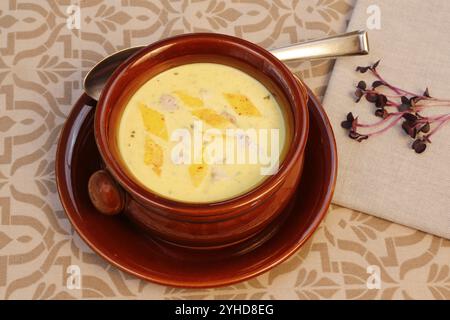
x,y
106,195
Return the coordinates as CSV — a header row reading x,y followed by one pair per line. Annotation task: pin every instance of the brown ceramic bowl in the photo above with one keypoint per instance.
x,y
188,224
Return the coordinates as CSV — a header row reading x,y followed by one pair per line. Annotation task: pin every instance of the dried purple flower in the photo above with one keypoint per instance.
x,y
348,124
377,84
410,129
358,137
407,107
372,97
362,69
381,113
419,146
381,101
405,101
375,65
367,68
358,94
410,117
362,85
425,128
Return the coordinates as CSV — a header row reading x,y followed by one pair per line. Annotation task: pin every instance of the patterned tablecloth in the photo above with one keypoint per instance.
x,y
42,62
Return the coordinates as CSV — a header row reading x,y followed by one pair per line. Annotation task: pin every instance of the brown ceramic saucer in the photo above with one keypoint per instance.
x,y
130,249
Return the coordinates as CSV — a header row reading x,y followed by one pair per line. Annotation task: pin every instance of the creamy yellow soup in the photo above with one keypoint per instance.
x,y
201,132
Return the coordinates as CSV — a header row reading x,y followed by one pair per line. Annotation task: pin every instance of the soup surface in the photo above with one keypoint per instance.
x,y
201,132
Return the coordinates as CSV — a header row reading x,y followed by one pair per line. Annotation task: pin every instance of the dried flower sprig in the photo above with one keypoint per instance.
x,y
399,106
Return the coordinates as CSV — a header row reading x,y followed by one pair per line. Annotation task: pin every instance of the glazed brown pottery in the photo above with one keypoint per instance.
x,y
136,252
209,225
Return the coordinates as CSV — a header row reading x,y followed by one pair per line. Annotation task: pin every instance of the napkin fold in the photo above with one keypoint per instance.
x,y
383,176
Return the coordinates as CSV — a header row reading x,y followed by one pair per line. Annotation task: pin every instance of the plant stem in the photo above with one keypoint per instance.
x,y
390,115
393,123
395,89
440,125
433,105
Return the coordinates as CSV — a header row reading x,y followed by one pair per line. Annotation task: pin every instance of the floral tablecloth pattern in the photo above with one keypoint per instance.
x,y
42,62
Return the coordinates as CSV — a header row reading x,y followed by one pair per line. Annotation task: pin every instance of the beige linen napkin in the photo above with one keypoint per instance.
x,y
384,176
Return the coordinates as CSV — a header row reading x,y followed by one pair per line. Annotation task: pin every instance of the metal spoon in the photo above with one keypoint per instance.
x,y
347,44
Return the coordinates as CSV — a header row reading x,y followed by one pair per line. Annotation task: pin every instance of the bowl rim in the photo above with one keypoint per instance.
x,y
236,204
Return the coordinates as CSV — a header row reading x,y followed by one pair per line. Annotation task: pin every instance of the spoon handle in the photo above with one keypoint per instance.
x,y
347,44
